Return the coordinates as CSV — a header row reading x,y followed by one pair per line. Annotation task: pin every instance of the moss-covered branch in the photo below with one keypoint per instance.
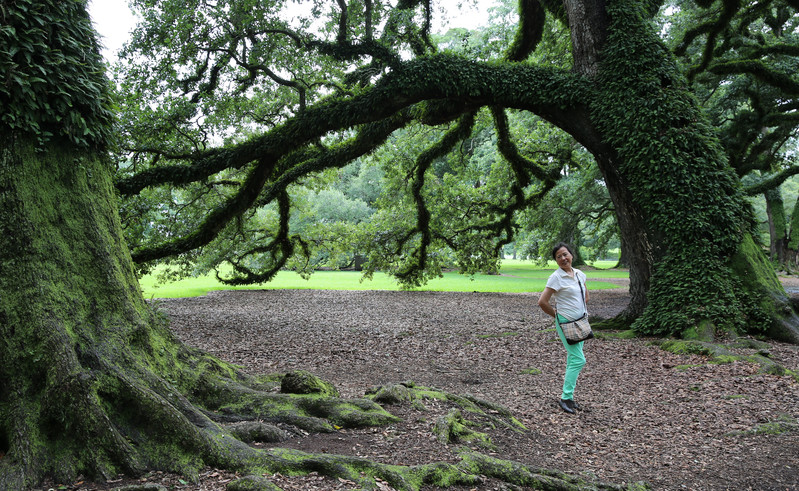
x,y
529,31
711,29
555,94
759,70
771,182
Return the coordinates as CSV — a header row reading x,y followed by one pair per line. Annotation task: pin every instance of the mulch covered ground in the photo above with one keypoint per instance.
x,y
676,422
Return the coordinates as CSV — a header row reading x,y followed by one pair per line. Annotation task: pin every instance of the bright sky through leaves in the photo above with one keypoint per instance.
x,y
114,20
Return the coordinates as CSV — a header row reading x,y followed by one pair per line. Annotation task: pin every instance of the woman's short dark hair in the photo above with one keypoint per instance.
x,y
558,246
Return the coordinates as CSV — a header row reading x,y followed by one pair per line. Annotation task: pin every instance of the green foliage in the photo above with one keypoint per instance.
x,y
783,423
742,64
53,76
666,143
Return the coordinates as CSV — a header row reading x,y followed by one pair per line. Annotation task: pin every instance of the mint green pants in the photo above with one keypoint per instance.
x,y
575,360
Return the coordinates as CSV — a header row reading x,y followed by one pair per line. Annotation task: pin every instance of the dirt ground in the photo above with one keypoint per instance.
x,y
675,422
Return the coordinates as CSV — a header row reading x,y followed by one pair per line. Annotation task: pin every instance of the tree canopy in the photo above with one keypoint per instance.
x,y
409,247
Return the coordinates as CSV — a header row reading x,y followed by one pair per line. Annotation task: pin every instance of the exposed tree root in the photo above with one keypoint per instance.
x,y
140,421
454,428
415,394
536,478
723,353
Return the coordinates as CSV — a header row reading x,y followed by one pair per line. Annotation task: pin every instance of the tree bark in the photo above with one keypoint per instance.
x,y
778,227
658,153
635,244
92,381
589,24
793,240
69,302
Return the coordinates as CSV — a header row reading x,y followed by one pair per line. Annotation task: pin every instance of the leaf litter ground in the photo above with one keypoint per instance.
x,y
674,421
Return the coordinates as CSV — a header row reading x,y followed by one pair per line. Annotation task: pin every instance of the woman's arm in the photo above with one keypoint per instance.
x,y
543,301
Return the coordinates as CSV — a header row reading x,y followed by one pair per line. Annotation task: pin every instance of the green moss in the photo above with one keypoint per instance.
x,y
531,371
304,382
703,331
392,394
440,475
755,272
626,334
785,423
686,347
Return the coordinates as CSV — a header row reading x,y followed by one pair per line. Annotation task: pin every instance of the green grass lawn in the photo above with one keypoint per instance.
x,y
516,276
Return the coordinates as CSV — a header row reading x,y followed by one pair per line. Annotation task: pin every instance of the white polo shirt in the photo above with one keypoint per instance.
x,y
567,294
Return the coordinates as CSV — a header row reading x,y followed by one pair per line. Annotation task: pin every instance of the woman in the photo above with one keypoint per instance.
x,y
567,285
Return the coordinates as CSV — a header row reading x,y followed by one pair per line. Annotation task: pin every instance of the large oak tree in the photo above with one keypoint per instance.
x,y
91,381
685,225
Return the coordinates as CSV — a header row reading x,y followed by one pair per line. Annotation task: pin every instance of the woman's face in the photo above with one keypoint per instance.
x,y
564,259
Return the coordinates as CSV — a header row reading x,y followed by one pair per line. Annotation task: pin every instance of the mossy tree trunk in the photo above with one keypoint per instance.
x,y
685,225
777,224
93,383
73,320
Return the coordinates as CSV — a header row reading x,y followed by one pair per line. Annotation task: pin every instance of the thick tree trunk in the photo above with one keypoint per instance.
x,y
91,381
69,302
687,242
83,381
635,245
778,226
